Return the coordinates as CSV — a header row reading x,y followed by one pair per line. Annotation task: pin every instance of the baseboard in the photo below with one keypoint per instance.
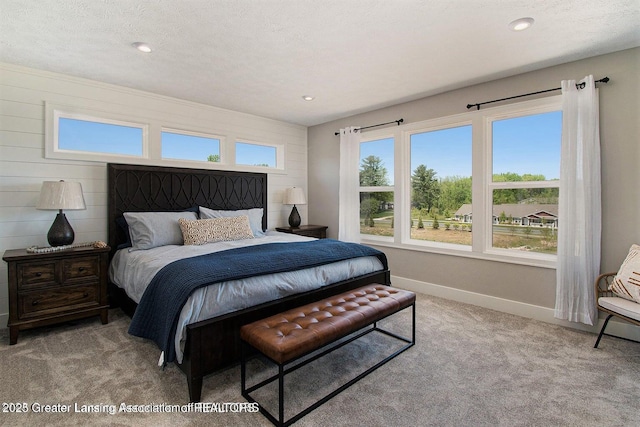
x,y
536,312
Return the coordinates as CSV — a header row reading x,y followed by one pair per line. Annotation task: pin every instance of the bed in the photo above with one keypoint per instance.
x,y
212,344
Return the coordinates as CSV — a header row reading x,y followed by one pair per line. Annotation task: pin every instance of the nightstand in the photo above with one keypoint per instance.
x,y
54,287
317,231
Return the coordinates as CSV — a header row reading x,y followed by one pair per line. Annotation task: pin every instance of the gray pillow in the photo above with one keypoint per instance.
x,y
151,229
255,217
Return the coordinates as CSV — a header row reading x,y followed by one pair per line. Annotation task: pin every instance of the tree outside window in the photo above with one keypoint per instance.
x,y
376,188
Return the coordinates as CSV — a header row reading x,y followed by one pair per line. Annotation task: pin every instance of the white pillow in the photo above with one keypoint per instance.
x,y
151,229
211,230
626,284
255,217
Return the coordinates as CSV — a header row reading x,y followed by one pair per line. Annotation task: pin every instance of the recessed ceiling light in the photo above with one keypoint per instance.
x,y
142,47
521,24
308,98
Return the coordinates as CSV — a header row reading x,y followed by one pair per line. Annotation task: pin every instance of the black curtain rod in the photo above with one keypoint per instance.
x,y
578,85
381,124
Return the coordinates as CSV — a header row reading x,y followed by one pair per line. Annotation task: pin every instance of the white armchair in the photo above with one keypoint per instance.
x,y
613,305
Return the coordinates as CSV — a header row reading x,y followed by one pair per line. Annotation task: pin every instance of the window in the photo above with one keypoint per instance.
x,y
441,185
185,145
255,154
130,135
525,182
376,187
84,134
482,184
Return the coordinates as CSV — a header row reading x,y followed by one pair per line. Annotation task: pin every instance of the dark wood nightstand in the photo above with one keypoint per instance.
x,y
55,287
317,231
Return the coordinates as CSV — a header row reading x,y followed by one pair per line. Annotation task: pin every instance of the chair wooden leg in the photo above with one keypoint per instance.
x,y
602,330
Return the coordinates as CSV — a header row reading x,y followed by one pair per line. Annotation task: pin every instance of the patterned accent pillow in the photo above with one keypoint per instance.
x,y
201,231
254,214
626,284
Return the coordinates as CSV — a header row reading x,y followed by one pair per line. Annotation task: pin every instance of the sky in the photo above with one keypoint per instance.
x,y
116,139
523,145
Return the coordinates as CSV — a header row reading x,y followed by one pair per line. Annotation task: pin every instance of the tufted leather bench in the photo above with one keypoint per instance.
x,y
288,336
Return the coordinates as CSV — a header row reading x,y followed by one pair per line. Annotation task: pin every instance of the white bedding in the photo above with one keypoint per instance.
x,y
133,271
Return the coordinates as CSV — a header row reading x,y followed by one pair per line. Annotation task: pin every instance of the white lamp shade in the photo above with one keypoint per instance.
x,y
56,195
294,196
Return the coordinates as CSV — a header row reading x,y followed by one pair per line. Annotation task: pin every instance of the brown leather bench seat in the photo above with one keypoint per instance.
x,y
286,337
293,333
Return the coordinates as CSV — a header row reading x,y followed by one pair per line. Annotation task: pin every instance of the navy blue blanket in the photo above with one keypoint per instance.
x,y
156,316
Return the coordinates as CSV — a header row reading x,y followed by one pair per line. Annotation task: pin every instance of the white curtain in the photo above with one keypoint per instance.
x,y
579,205
349,201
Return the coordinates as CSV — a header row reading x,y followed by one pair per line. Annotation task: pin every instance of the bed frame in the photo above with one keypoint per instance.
x,y
214,343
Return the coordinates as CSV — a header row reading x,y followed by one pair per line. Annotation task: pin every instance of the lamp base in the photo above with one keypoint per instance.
x,y
294,218
60,233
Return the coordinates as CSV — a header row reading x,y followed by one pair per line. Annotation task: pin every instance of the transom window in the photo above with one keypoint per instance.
x,y
126,135
254,154
190,146
78,134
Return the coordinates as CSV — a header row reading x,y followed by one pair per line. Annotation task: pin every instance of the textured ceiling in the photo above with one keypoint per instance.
x,y
262,56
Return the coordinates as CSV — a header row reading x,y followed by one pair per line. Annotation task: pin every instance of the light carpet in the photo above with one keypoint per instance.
x,y
470,367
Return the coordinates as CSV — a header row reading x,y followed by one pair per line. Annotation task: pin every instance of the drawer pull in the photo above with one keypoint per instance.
x,y
81,269
34,302
86,294
38,274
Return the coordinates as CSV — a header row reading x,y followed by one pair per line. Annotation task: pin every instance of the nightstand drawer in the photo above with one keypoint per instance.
x,y
35,275
317,231
54,300
318,234
83,268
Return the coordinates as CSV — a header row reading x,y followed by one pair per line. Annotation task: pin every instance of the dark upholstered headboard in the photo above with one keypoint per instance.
x,y
135,188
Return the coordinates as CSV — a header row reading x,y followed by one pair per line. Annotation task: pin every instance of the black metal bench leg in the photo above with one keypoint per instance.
x,y
281,393
413,323
243,369
602,330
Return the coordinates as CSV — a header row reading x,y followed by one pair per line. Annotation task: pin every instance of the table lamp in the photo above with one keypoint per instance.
x,y
59,195
294,196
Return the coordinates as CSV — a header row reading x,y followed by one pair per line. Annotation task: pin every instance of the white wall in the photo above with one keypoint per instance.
x,y
23,92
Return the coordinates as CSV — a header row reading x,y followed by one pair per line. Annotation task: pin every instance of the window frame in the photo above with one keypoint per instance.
x,y
371,137
437,126
502,113
482,183
176,131
52,143
280,156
